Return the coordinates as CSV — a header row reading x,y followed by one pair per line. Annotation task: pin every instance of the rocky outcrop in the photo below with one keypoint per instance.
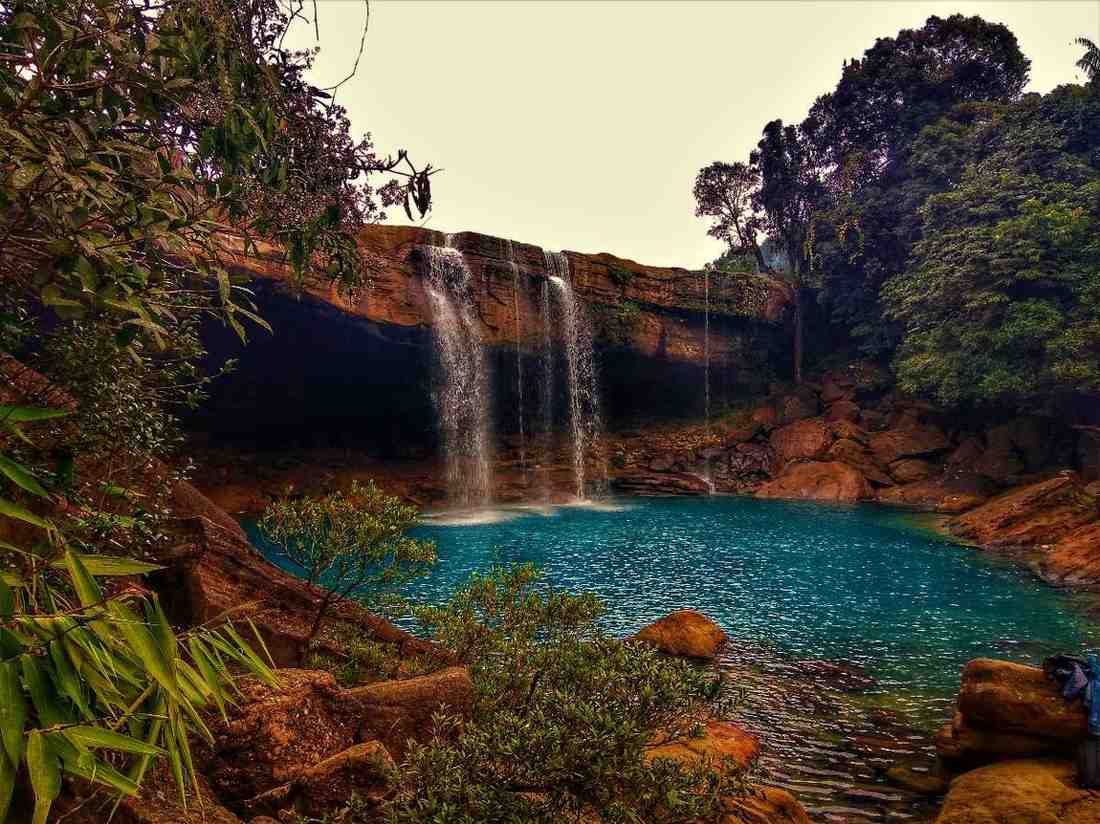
x,y
1008,710
827,481
684,633
1037,791
662,297
764,805
803,440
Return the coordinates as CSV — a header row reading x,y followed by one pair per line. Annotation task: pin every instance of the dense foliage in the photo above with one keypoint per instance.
x,y
563,719
938,216
352,542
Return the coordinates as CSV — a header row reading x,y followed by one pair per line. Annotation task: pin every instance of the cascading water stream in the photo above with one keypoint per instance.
x,y
509,255
706,380
546,358
462,393
584,412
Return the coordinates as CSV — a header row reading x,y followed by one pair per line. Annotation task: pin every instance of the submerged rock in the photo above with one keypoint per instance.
x,y
1036,791
684,633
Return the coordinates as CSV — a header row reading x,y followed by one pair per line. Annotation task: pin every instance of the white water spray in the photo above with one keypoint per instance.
x,y
510,256
462,393
584,409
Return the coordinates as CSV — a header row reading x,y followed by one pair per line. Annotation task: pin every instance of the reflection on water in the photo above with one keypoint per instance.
x,y
851,624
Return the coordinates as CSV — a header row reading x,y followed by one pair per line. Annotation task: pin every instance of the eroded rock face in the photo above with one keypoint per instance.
x,y
395,712
1036,791
1040,513
685,633
801,441
829,481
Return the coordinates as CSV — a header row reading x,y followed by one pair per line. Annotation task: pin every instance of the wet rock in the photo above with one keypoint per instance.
x,y
922,778
685,633
669,483
1037,791
1003,696
720,740
818,481
961,744
908,470
764,805
949,495
841,675
873,420
741,434
1038,514
1075,560
917,442
801,441
394,712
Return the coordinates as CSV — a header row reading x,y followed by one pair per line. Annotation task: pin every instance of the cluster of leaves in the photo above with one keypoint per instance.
x,y
83,669
563,718
352,542
616,324
920,201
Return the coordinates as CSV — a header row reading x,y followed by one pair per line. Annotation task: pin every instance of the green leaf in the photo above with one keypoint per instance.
x,y
66,677
18,475
101,737
7,600
13,510
103,566
23,414
45,775
7,785
49,710
87,590
13,711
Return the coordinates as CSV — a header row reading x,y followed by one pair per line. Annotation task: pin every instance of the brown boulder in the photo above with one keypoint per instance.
x,y
962,744
842,411
741,434
835,388
1075,560
919,778
1028,791
685,633
999,465
363,769
765,416
800,441
916,442
763,805
908,470
1038,514
274,732
849,431
720,740
396,711
796,406
1007,697
818,481
949,495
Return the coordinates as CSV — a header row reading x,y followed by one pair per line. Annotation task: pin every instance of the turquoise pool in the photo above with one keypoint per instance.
x,y
865,588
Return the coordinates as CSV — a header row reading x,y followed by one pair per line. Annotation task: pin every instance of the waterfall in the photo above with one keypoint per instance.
x,y
462,393
584,412
510,256
706,379
546,357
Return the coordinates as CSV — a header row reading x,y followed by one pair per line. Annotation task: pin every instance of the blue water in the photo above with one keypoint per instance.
x,y
791,583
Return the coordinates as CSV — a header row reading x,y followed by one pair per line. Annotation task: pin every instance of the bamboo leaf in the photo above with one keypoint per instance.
x,y
103,566
19,476
96,737
87,589
13,712
13,510
49,710
22,414
7,785
45,775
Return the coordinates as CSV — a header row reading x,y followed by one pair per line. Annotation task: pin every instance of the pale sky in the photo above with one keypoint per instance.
x,y
580,125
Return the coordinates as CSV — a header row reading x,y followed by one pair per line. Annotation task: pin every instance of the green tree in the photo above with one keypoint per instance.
x,y
1090,60
1000,301
352,543
563,718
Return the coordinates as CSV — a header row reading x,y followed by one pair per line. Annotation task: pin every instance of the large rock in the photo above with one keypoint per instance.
x,y
395,712
364,769
1042,513
1029,791
720,740
685,633
1075,560
966,746
1012,698
842,410
764,805
855,454
947,494
908,470
915,442
801,441
818,481
796,406
273,733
